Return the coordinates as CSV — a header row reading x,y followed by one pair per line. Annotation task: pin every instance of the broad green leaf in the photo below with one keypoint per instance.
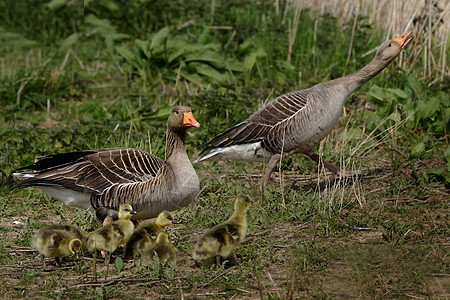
x,y
129,56
56,4
285,65
417,150
251,59
110,5
447,158
399,94
15,39
192,77
243,47
164,112
209,72
204,36
428,108
69,42
415,86
118,264
234,65
214,58
159,38
144,46
125,53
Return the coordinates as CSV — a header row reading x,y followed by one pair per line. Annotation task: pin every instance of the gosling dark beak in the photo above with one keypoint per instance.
x,y
175,221
133,212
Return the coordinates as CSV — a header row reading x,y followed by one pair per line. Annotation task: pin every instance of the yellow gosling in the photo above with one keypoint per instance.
x,y
218,243
146,234
111,236
163,248
57,243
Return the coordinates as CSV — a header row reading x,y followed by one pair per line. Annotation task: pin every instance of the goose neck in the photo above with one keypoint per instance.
x,y
175,142
357,79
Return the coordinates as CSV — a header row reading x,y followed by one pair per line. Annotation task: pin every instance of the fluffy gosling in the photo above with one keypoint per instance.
x,y
77,232
218,243
166,251
146,234
112,235
57,241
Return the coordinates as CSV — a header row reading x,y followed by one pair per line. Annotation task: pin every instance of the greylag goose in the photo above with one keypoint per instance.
x,y
297,121
218,243
163,248
112,235
146,233
100,180
58,242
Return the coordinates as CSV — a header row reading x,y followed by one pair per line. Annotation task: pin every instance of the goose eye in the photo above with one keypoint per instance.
x,y
177,112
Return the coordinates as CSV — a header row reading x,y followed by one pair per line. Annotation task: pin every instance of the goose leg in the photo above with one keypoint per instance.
x,y
332,167
269,169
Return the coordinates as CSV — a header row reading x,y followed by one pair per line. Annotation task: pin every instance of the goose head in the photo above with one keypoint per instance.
x,y
125,212
75,246
390,49
166,218
181,118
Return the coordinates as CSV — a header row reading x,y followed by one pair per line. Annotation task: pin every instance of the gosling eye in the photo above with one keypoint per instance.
x,y
177,112
389,44
169,218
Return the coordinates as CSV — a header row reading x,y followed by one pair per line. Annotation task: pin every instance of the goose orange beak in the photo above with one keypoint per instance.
x,y
404,39
189,120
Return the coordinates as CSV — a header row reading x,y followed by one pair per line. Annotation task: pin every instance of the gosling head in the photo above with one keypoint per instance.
x,y
242,204
125,211
75,246
166,218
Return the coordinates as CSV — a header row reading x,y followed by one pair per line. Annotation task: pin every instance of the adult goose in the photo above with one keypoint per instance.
x,y
297,121
100,180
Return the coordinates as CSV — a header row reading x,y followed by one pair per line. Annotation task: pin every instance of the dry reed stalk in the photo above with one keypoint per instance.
x,y
293,32
428,19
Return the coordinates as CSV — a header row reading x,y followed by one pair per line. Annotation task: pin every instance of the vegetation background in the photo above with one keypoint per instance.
x,y
79,75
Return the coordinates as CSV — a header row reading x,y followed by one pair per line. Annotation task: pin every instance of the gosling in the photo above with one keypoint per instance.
x,y
112,235
218,243
77,232
146,234
163,248
57,241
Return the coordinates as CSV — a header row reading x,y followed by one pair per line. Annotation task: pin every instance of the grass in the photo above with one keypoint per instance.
x,y
109,81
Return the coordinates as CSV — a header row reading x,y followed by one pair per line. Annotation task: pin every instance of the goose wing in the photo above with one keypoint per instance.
x,y
92,171
268,118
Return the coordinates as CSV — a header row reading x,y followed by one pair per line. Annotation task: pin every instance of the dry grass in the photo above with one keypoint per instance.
x,y
429,21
